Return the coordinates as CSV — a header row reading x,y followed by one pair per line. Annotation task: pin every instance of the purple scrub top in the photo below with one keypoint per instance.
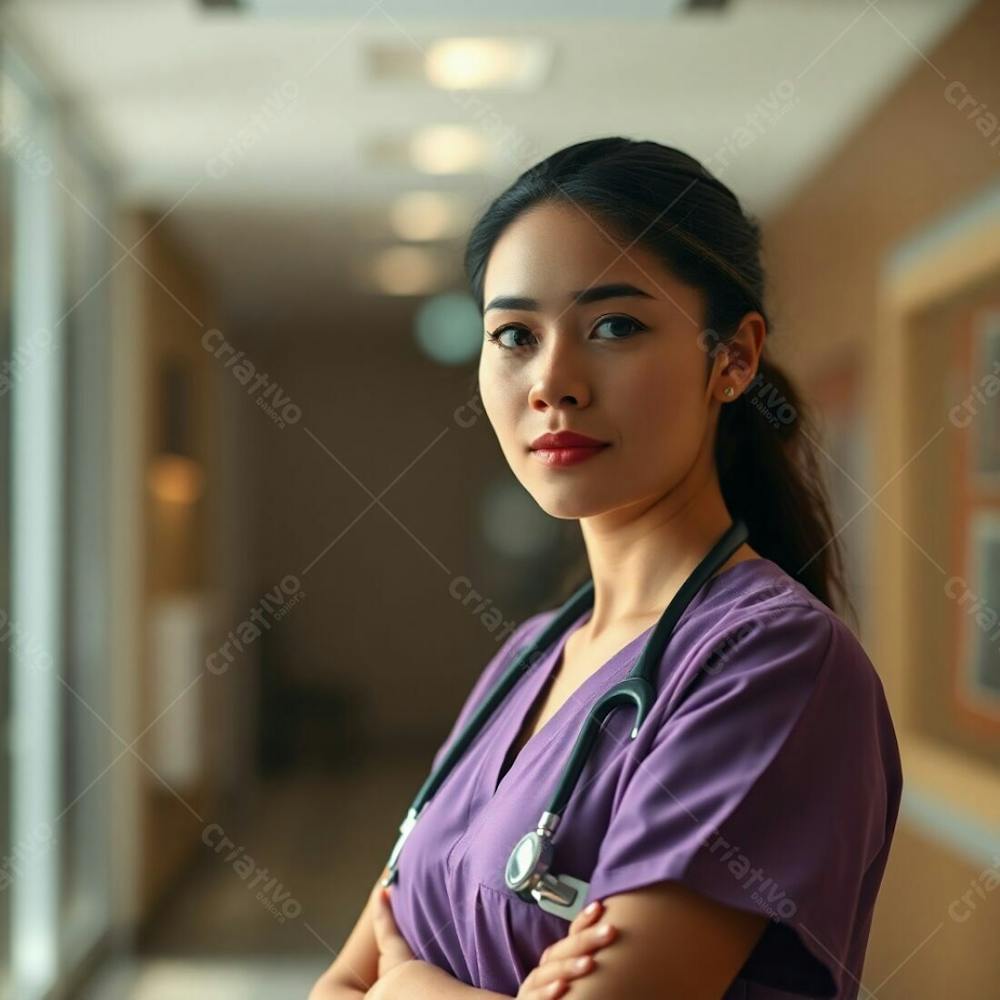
x,y
766,776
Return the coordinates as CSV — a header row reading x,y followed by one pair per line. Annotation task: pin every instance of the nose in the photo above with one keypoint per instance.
x,y
561,379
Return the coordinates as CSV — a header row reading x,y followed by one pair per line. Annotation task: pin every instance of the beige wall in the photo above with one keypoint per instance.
x,y
914,158
184,551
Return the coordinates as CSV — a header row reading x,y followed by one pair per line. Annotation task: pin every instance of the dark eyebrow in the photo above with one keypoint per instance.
x,y
581,298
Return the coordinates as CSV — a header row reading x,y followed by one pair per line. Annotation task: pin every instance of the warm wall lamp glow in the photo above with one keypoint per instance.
x,y
175,479
499,63
174,475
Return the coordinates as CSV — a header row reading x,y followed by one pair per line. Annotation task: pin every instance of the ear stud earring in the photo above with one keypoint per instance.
x,y
728,392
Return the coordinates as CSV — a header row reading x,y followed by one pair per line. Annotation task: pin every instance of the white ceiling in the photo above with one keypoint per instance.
x,y
167,86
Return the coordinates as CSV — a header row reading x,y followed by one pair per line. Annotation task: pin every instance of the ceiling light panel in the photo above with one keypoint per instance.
x,y
476,63
466,9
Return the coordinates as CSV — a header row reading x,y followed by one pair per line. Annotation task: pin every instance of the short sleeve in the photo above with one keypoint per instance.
x,y
765,789
490,674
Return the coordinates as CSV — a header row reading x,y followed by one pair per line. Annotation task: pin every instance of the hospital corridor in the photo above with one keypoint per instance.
x,y
385,412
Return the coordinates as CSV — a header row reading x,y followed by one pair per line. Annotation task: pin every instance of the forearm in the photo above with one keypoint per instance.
x,y
423,981
328,988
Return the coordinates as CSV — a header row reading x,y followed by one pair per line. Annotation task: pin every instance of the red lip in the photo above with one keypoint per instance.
x,y
565,439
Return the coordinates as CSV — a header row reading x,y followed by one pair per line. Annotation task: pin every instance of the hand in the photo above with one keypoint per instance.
x,y
550,978
397,982
392,947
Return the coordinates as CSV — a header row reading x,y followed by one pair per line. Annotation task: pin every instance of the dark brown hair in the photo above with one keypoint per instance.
x,y
765,449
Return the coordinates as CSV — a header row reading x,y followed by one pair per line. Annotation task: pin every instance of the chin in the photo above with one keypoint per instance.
x,y
568,505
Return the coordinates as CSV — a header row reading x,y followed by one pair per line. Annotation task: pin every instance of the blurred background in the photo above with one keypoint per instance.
x,y
257,539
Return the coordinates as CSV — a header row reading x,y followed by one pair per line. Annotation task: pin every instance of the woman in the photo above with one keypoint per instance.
x,y
737,844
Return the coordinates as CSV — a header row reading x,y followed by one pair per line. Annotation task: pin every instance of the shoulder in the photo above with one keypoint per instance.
x,y
762,650
757,617
760,653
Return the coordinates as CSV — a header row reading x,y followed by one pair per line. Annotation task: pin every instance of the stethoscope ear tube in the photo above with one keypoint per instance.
x,y
633,690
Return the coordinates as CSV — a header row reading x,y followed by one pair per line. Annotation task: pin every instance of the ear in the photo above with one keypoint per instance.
x,y
744,351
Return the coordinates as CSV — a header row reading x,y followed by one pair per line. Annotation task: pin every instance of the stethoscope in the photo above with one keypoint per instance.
x,y
528,870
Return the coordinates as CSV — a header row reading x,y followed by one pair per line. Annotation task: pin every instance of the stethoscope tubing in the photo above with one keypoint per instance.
x,y
636,689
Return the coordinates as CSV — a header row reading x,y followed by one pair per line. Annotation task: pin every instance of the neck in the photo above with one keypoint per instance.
x,y
641,555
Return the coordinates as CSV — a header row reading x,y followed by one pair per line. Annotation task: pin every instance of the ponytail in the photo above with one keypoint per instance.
x,y
770,474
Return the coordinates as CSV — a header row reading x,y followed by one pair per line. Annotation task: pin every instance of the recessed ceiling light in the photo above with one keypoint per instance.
x,y
499,63
405,271
425,215
448,149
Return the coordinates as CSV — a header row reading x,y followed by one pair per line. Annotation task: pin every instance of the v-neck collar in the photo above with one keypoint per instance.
x,y
535,680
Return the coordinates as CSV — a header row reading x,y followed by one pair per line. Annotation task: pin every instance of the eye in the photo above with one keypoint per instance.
x,y
625,321
630,326
495,335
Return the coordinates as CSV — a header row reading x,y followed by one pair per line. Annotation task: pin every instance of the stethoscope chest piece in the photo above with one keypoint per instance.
x,y
527,873
579,888
527,861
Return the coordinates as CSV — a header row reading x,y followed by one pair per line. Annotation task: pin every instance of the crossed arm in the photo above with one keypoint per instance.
x,y
670,942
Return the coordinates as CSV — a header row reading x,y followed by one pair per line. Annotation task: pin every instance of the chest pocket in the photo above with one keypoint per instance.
x,y
508,937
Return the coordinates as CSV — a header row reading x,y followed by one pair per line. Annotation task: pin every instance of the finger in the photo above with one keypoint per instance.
x,y
541,987
379,923
388,918
545,976
375,897
586,916
387,936
576,968
585,942
555,989
383,922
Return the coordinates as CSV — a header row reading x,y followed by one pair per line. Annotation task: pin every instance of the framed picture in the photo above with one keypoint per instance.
x,y
978,674
970,505
986,448
935,555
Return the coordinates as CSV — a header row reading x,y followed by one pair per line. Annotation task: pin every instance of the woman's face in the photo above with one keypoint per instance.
x,y
627,369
